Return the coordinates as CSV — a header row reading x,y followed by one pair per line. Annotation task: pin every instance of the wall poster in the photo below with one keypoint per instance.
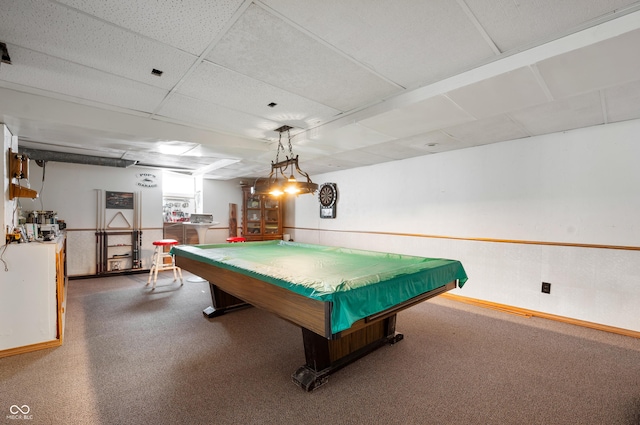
x,y
119,200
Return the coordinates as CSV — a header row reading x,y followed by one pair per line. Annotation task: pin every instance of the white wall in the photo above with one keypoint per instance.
x,y
70,189
217,195
576,187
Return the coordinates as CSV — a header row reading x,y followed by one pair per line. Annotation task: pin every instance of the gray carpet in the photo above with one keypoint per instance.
x,y
135,357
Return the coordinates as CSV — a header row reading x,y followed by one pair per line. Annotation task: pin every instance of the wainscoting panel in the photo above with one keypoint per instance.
x,y
591,283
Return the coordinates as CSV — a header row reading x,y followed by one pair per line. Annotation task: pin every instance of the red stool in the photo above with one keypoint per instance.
x,y
236,239
158,261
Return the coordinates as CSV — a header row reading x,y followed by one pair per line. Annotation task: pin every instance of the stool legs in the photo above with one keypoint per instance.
x,y
154,260
178,269
158,265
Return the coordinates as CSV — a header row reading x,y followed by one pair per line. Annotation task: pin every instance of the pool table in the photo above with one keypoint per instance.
x,y
345,300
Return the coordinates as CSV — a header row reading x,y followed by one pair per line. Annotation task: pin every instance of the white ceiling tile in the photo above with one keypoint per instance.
x,y
503,93
210,115
434,40
601,65
171,161
348,137
567,114
84,40
327,163
248,168
623,102
221,86
65,78
63,135
393,150
432,142
226,174
512,24
188,26
313,149
214,151
266,48
363,157
489,130
421,117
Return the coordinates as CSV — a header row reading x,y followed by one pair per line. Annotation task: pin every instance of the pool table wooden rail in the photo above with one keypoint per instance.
x,y
306,312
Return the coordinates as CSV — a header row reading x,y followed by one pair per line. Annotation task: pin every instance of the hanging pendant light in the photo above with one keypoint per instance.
x,y
282,179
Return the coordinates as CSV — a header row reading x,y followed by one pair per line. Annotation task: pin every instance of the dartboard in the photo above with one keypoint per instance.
x,y
327,195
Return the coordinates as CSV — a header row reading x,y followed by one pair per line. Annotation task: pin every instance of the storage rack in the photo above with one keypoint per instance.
x,y
109,241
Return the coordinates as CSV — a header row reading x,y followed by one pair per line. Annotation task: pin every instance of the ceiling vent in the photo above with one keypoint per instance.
x,y
42,155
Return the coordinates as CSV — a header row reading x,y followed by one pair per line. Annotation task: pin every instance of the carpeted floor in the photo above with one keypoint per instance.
x,y
132,356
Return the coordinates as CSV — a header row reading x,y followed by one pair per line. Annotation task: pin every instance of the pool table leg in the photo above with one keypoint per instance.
x,y
222,302
325,356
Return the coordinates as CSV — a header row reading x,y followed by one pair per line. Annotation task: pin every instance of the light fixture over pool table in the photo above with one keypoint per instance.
x,y
282,179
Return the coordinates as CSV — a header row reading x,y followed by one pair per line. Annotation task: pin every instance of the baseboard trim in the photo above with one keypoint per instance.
x,y
30,348
120,273
532,313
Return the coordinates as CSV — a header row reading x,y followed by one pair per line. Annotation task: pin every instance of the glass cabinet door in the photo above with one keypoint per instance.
x,y
271,216
253,215
271,223
270,203
262,218
254,202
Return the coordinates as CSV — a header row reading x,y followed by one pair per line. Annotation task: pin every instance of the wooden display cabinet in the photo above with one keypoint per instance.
x,y
261,217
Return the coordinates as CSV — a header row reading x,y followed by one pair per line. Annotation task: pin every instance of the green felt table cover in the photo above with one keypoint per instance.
x,y
359,283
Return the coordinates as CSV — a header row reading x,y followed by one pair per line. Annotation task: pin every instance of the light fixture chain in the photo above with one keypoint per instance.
x,y
290,147
279,146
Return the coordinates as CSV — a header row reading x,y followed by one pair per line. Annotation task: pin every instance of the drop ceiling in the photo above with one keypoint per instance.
x,y
361,82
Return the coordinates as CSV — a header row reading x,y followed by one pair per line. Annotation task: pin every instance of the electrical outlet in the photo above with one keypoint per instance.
x,y
546,288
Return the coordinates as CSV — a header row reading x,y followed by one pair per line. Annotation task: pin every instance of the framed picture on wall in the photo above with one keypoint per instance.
x,y
119,200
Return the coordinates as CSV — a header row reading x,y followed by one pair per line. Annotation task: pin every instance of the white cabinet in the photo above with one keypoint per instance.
x,y
32,296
